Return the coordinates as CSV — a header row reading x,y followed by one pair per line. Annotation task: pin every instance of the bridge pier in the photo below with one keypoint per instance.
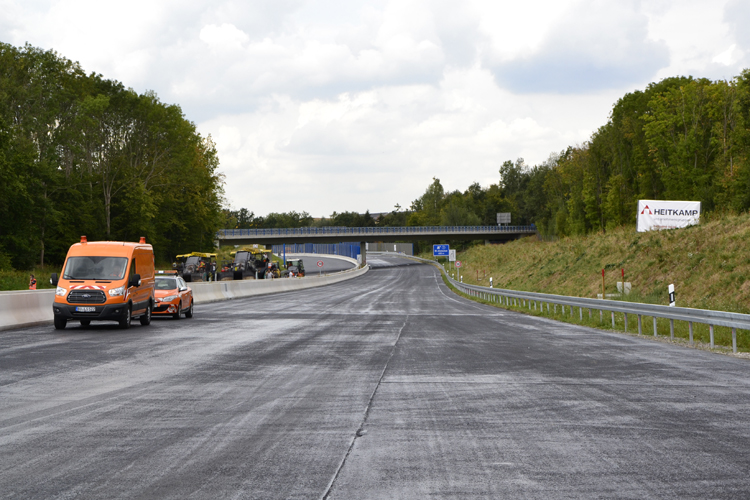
x,y
363,252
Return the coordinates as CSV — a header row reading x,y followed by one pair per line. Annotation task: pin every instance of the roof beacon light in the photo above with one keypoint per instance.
x,y
143,239
83,239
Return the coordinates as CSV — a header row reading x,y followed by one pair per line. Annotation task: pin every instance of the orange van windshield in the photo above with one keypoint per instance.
x,y
96,268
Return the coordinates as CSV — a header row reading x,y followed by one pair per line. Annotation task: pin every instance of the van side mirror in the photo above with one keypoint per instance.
x,y
53,280
135,280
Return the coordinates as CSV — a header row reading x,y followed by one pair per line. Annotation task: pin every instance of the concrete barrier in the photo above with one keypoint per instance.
x,y
325,255
204,293
34,307
25,308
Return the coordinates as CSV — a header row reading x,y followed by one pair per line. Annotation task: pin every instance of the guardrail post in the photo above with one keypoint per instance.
x,y
547,307
562,306
589,313
601,316
580,313
655,326
639,325
734,340
690,328
671,329
613,319
711,334
626,321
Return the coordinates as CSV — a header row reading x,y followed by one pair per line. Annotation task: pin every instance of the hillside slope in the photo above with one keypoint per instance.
x,y
709,264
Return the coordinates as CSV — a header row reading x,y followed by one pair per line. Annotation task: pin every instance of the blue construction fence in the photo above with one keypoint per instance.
x,y
344,249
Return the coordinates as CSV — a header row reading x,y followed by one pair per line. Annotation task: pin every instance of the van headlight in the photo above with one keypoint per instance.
x,y
60,291
116,292
170,298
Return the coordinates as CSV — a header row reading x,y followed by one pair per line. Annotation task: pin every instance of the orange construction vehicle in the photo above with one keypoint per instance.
x,y
105,281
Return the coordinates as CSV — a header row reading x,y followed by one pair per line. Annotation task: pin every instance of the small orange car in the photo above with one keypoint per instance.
x,y
173,296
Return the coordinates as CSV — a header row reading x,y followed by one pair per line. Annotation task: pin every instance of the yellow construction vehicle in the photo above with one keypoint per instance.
x,y
196,266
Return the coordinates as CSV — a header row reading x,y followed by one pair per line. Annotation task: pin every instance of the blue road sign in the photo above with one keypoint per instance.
x,y
441,250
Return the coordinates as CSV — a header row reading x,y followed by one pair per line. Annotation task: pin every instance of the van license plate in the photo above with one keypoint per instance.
x,y
85,309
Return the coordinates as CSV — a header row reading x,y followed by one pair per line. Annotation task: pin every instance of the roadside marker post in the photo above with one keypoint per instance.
x,y
320,265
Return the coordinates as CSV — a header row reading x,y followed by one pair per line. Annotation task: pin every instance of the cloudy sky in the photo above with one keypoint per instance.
x,y
347,105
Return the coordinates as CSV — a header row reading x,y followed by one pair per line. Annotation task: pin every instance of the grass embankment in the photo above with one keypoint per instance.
x,y
19,280
709,265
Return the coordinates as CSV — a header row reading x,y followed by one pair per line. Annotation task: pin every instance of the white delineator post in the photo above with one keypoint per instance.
x,y
671,296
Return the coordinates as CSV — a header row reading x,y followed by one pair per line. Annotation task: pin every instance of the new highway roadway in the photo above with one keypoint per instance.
x,y
387,386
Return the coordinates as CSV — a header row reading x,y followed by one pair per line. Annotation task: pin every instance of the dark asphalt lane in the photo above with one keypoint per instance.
x,y
386,386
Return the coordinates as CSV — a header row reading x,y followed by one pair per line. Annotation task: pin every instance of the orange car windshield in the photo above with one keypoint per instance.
x,y
166,284
96,268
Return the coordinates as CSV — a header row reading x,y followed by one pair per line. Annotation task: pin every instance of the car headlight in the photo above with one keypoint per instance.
x,y
60,291
116,292
170,298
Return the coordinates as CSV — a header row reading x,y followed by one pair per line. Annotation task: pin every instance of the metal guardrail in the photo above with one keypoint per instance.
x,y
347,231
708,317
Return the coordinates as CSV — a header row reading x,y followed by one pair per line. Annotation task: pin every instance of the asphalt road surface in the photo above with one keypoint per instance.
x,y
387,386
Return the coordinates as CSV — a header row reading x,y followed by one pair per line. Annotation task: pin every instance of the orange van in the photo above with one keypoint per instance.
x,y
105,281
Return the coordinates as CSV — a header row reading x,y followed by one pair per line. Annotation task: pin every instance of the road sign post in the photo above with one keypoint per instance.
x,y
458,270
320,265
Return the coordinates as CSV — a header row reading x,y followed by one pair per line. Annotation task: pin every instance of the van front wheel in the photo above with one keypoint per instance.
x,y
60,323
146,317
125,322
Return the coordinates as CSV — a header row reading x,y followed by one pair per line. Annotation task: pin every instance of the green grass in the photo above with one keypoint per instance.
x,y
709,264
19,280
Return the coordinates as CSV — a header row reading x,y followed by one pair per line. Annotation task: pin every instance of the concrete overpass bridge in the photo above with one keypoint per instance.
x,y
363,235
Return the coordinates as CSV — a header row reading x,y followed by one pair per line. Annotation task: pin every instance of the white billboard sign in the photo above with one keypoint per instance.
x,y
658,214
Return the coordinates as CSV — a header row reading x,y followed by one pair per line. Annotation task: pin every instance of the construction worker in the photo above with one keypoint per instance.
x,y
32,282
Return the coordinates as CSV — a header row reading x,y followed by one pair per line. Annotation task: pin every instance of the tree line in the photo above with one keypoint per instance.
x,y
81,154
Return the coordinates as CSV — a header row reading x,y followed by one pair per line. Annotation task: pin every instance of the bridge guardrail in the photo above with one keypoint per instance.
x,y
348,231
708,317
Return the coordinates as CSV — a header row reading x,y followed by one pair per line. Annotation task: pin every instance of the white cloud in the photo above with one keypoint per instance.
x,y
729,56
593,45
224,37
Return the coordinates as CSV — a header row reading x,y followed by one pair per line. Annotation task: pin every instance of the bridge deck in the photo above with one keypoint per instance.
x,y
367,234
